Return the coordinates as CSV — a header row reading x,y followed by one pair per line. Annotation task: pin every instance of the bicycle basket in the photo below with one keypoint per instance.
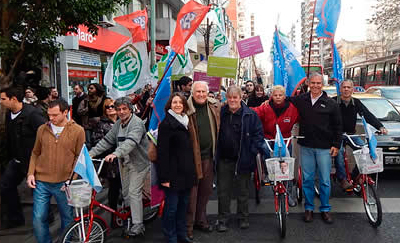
x,y
79,193
365,163
275,172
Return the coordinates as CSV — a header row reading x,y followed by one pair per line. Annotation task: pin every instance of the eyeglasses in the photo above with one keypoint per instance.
x,y
110,107
91,87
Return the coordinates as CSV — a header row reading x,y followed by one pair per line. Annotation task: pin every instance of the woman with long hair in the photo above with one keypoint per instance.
x,y
257,97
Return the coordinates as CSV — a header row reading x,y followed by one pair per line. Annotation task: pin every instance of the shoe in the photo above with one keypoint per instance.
x,y
292,202
221,226
136,229
345,184
185,240
190,235
244,223
206,229
308,216
326,216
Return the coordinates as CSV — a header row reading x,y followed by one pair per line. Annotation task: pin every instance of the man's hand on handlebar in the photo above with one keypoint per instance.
x,y
383,130
334,151
110,158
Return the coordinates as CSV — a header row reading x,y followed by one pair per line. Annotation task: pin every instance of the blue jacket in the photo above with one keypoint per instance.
x,y
252,140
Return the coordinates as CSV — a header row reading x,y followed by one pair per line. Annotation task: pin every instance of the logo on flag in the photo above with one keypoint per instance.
x,y
280,149
327,12
84,167
372,142
221,43
136,23
337,68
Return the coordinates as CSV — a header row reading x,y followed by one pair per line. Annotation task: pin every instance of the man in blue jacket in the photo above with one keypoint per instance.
x,y
240,138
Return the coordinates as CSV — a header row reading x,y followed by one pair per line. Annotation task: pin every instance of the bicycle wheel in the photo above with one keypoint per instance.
x,y
282,214
372,205
73,233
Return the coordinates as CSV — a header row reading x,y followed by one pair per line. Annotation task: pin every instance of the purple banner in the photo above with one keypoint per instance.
x,y
249,47
213,82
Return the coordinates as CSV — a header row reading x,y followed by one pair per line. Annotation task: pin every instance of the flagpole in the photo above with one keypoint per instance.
x,y
309,47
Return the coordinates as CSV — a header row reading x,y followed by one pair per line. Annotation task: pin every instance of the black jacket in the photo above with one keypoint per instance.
x,y
21,133
349,115
321,123
251,139
175,163
75,104
255,101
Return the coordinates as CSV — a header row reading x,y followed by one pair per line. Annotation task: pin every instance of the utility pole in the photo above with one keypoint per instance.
x,y
153,32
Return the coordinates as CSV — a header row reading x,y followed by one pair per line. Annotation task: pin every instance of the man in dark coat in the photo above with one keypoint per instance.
x,y
22,122
79,96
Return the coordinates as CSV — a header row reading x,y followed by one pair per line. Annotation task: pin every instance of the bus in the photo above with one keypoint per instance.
x,y
378,71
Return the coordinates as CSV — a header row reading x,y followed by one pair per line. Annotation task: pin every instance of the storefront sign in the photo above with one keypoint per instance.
x,y
105,40
82,73
222,67
249,47
214,83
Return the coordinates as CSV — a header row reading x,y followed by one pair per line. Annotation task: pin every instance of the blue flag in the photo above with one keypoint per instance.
x,y
280,149
160,100
84,167
337,68
372,142
287,70
327,12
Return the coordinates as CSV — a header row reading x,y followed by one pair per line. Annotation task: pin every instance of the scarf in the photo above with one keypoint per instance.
x,y
94,101
183,119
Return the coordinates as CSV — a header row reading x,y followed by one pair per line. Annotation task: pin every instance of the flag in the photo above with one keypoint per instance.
x,y
160,100
287,70
189,18
327,12
221,43
280,149
128,69
337,68
136,23
84,167
372,142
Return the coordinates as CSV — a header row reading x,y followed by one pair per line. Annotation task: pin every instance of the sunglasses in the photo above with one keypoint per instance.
x,y
110,107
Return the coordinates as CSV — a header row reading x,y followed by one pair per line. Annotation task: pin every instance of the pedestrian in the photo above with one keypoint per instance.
x,y
240,138
350,107
258,97
175,167
128,135
278,111
203,115
91,109
57,147
30,97
79,96
21,125
53,93
185,85
321,125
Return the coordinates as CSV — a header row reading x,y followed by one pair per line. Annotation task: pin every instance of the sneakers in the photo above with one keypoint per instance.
x,y
345,184
136,229
221,226
244,223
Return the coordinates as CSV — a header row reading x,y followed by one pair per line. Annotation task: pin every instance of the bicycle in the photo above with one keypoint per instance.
x,y
278,177
91,227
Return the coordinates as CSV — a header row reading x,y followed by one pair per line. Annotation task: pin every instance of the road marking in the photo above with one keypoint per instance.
x,y
339,205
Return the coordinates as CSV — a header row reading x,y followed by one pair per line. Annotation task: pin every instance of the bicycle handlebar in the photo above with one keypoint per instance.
x,y
287,141
349,138
101,164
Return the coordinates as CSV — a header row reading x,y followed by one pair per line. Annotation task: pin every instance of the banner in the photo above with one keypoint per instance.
x,y
221,43
372,142
136,23
214,83
128,70
249,47
287,70
222,67
327,12
85,168
337,68
189,18
280,149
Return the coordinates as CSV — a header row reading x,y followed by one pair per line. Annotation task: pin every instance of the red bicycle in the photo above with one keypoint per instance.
x,y
89,226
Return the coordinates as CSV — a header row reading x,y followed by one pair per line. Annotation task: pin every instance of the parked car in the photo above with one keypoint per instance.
x,y
330,90
392,93
390,118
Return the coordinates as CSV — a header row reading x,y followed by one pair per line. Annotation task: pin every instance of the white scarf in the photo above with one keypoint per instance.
x,y
183,119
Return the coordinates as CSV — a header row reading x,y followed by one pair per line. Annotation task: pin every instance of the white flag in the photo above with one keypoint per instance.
x,y
221,43
128,69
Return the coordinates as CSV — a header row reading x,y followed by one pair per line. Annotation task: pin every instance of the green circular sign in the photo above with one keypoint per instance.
x,y
127,66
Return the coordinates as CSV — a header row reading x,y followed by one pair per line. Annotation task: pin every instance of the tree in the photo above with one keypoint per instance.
x,y
29,28
387,14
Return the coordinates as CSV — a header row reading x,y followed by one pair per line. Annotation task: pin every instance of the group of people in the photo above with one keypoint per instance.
x,y
198,137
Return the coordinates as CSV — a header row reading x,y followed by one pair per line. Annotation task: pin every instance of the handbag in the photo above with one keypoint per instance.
x,y
152,152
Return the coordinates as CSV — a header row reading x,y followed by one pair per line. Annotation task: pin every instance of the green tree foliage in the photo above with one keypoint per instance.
x,y
29,28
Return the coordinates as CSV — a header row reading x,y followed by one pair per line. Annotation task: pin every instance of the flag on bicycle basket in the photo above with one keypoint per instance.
x,y
280,149
85,168
372,142
327,12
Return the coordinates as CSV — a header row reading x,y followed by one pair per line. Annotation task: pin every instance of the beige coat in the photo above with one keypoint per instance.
x,y
214,109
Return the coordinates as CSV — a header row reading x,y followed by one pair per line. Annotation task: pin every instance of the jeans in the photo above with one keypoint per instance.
x,y
41,202
313,159
339,159
225,180
11,209
174,216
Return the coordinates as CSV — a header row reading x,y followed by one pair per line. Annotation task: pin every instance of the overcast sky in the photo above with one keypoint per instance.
x,y
351,25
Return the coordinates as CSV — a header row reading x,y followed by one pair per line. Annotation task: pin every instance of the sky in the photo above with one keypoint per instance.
x,y
351,25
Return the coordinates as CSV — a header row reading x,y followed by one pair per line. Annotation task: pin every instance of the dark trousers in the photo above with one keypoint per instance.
x,y
11,208
174,216
225,185
199,195
113,191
